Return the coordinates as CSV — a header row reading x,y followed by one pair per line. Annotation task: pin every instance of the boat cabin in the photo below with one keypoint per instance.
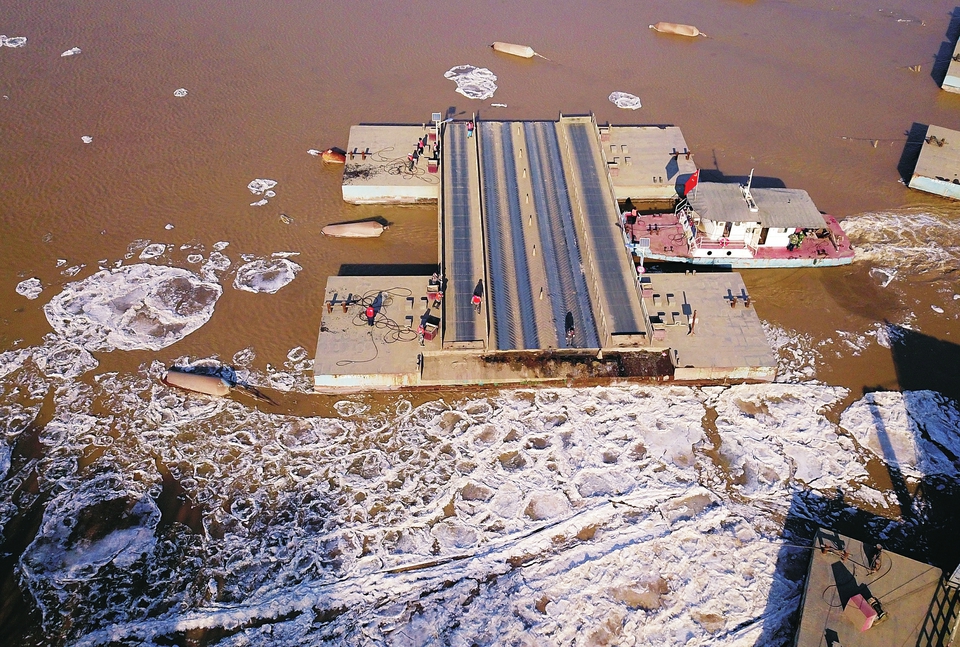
x,y
736,221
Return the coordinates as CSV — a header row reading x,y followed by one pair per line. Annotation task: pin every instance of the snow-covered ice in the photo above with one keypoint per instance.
x,y
29,288
625,100
260,186
473,82
12,41
139,306
604,515
265,275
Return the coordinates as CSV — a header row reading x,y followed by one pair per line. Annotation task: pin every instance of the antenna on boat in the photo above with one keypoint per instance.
x,y
751,203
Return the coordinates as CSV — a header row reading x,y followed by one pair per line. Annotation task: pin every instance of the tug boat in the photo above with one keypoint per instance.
x,y
732,225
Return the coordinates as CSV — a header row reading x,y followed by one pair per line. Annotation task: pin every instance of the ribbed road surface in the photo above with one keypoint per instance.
x,y
618,297
508,269
561,259
463,248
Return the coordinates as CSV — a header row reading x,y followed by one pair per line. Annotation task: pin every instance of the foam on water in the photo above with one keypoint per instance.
x,y
904,244
473,82
139,306
30,288
624,100
265,275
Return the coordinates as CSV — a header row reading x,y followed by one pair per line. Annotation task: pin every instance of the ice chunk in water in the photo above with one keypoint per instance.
x,y
259,186
313,151
85,529
473,82
152,251
135,307
63,359
271,194
180,92
73,51
265,275
168,226
86,139
31,288
625,100
258,203
13,41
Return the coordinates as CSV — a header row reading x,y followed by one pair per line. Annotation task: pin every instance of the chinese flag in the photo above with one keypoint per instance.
x,y
691,182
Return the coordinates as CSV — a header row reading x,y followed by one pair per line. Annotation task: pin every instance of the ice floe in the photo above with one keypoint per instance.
x,y
624,100
60,358
86,139
180,92
152,250
12,41
917,431
30,288
73,51
906,243
139,306
473,82
260,186
603,515
265,275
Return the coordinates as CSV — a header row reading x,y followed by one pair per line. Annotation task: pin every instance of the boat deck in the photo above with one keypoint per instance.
x,y
669,242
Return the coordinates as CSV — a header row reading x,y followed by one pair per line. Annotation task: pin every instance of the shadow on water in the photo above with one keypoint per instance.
x,y
758,182
925,363
928,525
945,53
911,151
387,269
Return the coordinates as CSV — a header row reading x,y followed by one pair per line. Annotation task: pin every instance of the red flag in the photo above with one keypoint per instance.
x,y
691,182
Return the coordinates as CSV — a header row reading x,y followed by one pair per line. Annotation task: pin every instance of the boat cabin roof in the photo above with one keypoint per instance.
x,y
724,202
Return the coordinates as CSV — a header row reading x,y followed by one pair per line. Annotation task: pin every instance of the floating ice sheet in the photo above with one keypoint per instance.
x,y
30,288
907,244
13,41
265,275
63,359
73,51
134,307
473,82
260,186
625,100
86,139
916,431
605,515
152,251
180,92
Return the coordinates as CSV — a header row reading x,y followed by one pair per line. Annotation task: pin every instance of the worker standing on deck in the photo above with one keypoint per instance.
x,y
469,129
